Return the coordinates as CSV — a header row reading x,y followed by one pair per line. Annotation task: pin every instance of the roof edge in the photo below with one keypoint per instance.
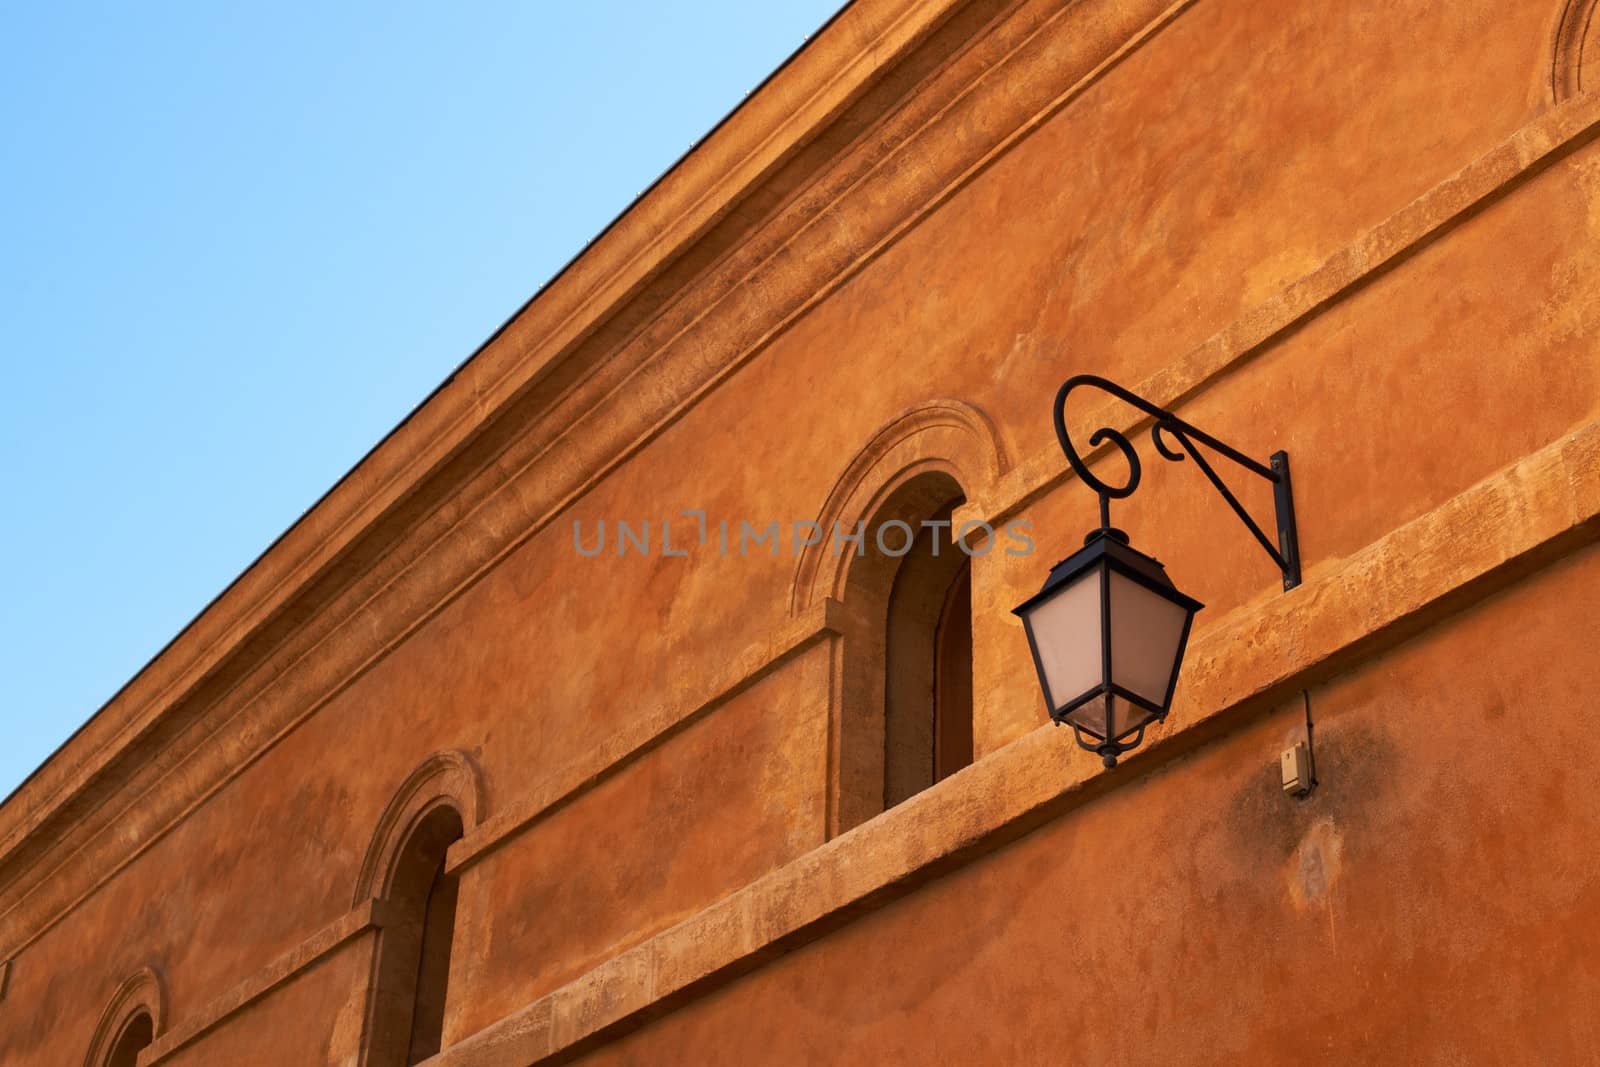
x,y
848,54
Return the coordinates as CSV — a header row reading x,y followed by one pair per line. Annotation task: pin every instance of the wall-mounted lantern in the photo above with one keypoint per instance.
x,y
1108,629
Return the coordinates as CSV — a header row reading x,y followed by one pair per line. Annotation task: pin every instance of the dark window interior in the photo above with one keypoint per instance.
x,y
136,1036
928,662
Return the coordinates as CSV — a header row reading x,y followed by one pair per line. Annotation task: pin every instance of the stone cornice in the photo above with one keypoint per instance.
x,y
799,102
786,200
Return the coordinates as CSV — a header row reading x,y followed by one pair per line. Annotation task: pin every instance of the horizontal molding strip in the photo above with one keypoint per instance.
x,y
1402,235
1521,518
517,494
368,916
643,734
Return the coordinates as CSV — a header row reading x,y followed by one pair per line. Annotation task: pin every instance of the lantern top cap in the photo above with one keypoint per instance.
x,y
1110,547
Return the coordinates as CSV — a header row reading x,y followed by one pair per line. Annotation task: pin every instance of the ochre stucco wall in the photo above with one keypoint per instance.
x,y
1428,904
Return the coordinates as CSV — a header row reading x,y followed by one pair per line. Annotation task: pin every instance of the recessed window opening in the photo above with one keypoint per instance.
x,y
928,661
415,970
136,1036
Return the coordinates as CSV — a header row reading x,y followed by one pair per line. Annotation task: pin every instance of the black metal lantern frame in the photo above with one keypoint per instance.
x,y
1055,617
1091,706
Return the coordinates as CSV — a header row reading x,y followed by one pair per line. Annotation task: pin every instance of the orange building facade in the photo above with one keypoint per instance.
x,y
572,726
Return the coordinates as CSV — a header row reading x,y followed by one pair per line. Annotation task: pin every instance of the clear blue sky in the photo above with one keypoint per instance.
x,y
238,243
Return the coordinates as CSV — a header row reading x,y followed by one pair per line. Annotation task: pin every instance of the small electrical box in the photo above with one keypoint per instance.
x,y
1296,763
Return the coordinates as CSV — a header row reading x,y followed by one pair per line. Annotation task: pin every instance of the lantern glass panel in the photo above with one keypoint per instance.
x,y
1146,631
1066,633
1090,717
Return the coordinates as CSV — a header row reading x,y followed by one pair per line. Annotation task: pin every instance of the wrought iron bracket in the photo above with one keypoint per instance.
x,y
1285,553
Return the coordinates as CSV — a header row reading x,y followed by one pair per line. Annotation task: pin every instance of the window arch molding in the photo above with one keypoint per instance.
x,y
936,461
140,994
944,436
406,868
1571,37
446,779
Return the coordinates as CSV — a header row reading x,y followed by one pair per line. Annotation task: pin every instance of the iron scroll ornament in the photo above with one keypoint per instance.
x,y
1286,553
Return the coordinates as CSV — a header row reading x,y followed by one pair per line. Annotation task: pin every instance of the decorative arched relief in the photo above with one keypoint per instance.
x,y
141,993
1572,35
945,436
445,779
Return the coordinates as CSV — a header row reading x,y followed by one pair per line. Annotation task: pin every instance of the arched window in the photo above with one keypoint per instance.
x,y
406,868
927,716
900,693
907,679
130,1022
136,1036
414,945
